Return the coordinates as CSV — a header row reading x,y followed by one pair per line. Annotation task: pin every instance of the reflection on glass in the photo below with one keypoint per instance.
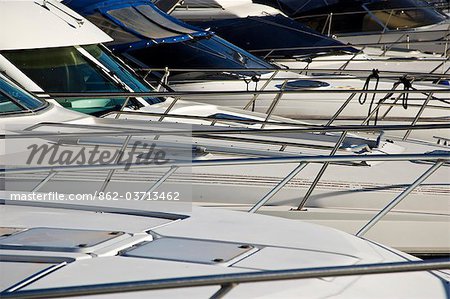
x,y
13,99
203,53
7,106
359,15
67,70
401,14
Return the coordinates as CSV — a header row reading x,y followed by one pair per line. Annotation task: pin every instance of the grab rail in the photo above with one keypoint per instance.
x,y
230,281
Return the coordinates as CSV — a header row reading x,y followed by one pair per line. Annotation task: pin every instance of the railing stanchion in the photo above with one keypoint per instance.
x,y
224,290
378,106
339,111
250,103
44,181
419,114
119,157
399,198
171,105
321,172
122,107
160,181
277,188
274,104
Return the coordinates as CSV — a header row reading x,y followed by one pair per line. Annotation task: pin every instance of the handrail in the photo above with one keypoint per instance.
x,y
236,161
86,95
419,113
117,160
298,70
279,92
439,158
207,118
339,75
354,44
176,165
116,131
231,280
364,11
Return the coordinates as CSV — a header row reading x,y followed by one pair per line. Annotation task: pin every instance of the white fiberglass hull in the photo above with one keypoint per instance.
x,y
397,62
363,189
318,106
352,187
313,104
145,246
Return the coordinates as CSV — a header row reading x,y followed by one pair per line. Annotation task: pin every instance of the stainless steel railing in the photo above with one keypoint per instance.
x,y
230,281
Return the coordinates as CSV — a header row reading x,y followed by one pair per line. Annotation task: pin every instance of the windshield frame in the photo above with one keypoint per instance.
x,y
213,53
113,81
22,106
352,17
426,9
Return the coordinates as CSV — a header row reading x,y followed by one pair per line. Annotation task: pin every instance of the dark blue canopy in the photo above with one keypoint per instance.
x,y
349,16
135,24
283,37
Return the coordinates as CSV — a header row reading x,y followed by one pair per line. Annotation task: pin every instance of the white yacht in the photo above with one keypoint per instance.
x,y
318,103
411,24
60,243
86,243
364,186
236,20
346,197
73,60
88,246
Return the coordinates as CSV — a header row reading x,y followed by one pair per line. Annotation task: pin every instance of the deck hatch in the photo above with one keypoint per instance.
x,y
17,271
190,250
8,231
60,239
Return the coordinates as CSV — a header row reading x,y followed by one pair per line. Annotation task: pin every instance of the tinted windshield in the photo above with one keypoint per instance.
x,y
69,70
359,15
283,37
119,70
404,14
14,99
205,53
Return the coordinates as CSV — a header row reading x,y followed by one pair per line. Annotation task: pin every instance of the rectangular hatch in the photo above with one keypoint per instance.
x,y
60,239
191,250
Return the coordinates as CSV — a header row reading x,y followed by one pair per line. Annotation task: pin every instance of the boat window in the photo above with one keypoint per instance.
x,y
67,70
303,84
284,37
166,6
120,70
13,99
404,14
294,7
229,54
7,106
117,69
61,70
204,53
225,116
359,16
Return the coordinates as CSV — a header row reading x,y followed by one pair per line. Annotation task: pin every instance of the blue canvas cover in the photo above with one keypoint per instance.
x,y
135,24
